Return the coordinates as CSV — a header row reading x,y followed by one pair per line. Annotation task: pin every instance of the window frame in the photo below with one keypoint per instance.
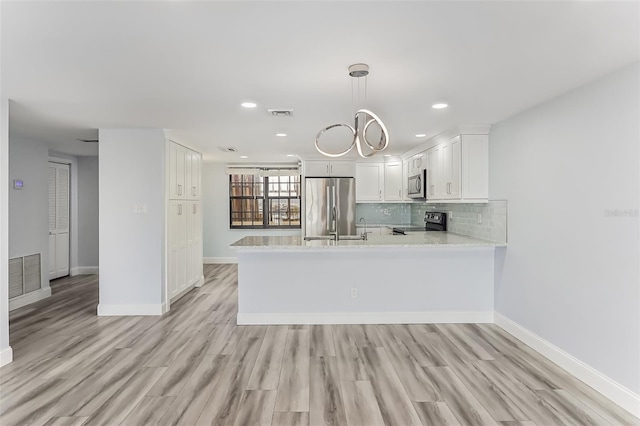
x,y
264,201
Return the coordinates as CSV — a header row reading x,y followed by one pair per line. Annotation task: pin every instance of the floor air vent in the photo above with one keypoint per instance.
x,y
24,275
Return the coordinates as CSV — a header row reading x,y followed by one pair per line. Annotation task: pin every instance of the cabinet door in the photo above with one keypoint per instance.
x,y
194,242
342,168
369,177
405,180
317,168
177,247
435,176
177,171
192,182
455,151
393,181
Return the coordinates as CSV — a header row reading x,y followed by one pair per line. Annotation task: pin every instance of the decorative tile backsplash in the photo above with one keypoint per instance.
x,y
463,218
384,214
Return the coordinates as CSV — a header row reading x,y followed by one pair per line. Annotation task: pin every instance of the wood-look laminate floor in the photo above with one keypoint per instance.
x,y
195,366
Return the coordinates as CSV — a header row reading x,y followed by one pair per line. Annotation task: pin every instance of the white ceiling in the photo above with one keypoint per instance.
x,y
73,67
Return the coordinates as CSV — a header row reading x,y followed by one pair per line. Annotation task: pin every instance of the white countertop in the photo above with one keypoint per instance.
x,y
411,240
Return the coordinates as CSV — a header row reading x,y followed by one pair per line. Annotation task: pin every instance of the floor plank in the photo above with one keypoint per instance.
x,y
293,387
325,395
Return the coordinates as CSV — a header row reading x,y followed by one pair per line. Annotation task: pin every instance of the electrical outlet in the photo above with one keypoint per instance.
x,y
354,293
479,217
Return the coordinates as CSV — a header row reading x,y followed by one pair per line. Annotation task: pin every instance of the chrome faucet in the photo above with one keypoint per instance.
x,y
364,234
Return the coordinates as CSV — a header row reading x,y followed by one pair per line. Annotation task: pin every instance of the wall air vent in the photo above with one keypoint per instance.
x,y
88,140
281,112
227,149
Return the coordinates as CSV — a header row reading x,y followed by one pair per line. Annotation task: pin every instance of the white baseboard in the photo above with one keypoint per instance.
x,y
216,260
130,310
84,270
364,318
613,390
29,298
6,356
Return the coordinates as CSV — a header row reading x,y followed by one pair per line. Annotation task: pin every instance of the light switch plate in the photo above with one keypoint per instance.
x,y
139,209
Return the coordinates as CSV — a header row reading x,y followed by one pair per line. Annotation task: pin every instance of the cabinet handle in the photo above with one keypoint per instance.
x,y
380,194
193,191
194,209
400,193
327,169
330,169
179,209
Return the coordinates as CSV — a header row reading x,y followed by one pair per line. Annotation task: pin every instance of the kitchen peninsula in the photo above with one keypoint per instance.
x,y
420,277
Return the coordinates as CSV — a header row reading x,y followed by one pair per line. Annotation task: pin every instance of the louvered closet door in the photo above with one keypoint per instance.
x,y
59,176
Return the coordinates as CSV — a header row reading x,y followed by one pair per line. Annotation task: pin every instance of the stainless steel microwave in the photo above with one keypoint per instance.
x,y
417,185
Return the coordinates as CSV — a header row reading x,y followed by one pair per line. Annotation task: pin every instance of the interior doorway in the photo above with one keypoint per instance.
x,y
59,207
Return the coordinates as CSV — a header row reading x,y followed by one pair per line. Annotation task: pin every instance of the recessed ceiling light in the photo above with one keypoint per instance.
x,y
420,135
281,135
249,104
439,106
290,155
387,155
243,156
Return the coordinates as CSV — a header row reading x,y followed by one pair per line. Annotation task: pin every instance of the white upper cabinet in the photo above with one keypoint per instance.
x,y
393,181
322,168
184,172
192,173
458,169
405,180
177,171
417,163
369,182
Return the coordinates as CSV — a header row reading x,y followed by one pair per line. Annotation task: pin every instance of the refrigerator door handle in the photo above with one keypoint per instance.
x,y
335,211
328,209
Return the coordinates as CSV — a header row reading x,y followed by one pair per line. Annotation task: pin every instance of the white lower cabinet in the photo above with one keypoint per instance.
x,y
194,243
185,246
177,248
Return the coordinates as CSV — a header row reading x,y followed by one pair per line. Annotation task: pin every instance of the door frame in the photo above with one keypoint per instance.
x,y
70,163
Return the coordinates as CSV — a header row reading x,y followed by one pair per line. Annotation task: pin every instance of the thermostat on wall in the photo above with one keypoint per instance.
x,y
17,184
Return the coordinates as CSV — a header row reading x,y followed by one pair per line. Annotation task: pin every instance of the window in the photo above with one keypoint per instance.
x,y
267,200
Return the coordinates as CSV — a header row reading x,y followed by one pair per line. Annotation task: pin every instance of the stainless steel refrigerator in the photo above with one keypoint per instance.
x,y
330,207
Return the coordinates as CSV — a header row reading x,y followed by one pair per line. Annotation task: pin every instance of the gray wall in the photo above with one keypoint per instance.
x,y
87,212
5,350
570,273
28,207
131,171
215,207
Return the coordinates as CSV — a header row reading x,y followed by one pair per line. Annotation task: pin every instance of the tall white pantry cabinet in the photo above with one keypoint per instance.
x,y
185,221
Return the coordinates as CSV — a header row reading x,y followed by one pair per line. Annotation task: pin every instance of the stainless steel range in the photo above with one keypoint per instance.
x,y
433,221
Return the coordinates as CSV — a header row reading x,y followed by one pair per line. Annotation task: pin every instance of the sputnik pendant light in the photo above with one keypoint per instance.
x,y
363,120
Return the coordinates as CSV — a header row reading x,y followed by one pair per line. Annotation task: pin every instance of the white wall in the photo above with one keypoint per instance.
x,y
6,354
215,207
132,246
87,213
28,207
570,273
